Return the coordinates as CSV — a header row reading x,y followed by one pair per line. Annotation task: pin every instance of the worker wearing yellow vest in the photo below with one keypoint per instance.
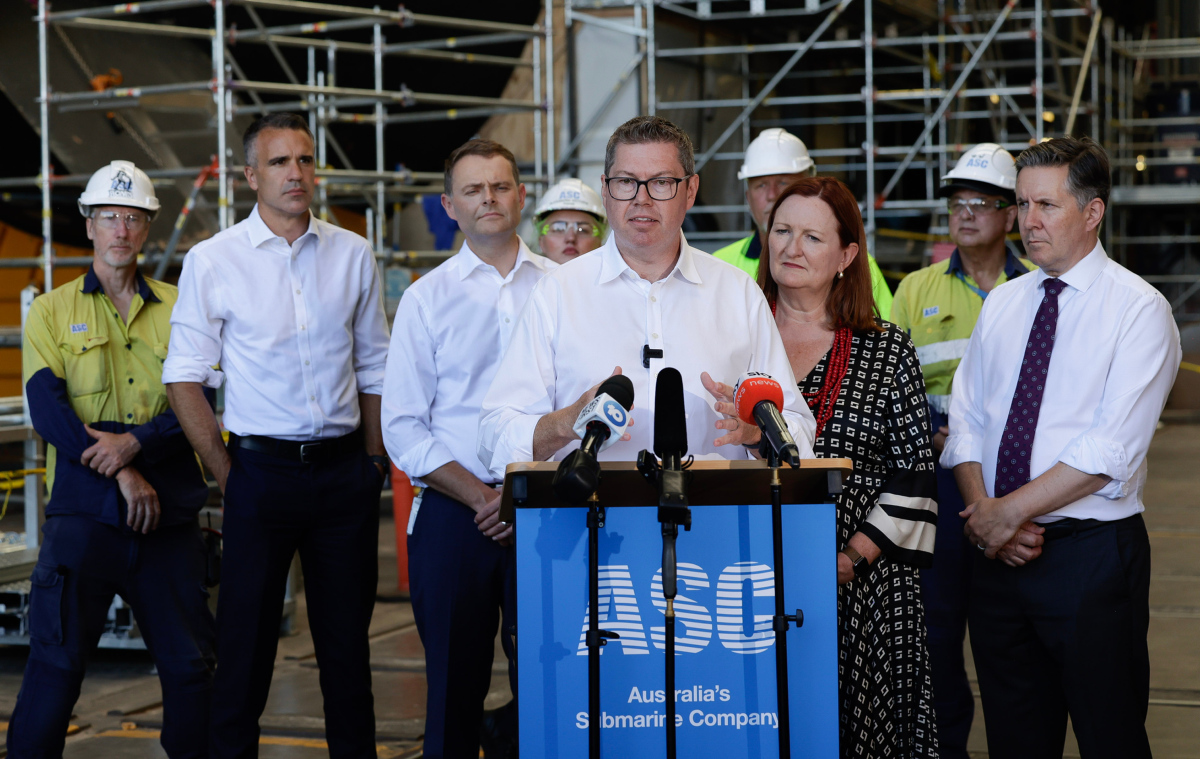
x,y
939,306
775,159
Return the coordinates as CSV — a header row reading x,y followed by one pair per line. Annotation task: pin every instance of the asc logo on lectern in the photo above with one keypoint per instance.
x,y
738,632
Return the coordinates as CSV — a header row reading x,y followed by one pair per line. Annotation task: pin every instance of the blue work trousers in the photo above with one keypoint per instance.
x,y
461,582
81,566
946,591
329,512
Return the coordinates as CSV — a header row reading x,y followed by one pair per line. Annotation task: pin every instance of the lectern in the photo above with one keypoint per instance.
x,y
725,688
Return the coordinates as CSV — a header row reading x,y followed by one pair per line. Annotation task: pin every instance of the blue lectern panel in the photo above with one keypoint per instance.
x,y
725,649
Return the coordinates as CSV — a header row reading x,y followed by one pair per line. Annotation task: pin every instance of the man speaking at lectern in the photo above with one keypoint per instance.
x,y
644,301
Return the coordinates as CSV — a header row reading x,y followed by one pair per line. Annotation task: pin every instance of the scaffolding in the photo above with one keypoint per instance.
x,y
319,94
956,64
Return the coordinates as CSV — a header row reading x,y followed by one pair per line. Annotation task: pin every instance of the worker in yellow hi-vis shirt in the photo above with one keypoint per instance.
x,y
125,486
939,306
775,159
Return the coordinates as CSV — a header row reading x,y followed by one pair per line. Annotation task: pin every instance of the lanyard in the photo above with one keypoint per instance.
x,y
973,288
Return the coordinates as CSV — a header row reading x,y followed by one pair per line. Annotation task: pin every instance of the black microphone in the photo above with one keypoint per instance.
x,y
670,419
601,423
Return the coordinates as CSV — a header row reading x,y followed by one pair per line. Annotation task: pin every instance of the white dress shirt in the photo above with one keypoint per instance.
x,y
451,328
1116,352
297,330
595,313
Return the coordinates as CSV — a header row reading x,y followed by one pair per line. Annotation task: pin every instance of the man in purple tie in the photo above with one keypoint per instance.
x,y
1052,413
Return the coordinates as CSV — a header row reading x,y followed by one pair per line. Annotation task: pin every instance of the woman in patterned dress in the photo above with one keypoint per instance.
x,y
863,383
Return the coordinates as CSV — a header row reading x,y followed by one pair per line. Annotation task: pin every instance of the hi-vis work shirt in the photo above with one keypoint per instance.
x,y
746,252
83,365
938,307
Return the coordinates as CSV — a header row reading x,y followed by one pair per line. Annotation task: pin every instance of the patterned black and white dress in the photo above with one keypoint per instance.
x,y
881,422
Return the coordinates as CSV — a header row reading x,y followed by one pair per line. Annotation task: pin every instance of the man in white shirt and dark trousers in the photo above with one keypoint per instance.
x,y
289,308
451,328
644,301
1053,409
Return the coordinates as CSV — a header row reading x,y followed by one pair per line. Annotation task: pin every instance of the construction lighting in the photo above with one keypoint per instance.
x,y
994,98
1141,163
1048,117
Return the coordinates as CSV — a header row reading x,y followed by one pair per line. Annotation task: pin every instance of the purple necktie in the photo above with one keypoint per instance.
x,y
1016,444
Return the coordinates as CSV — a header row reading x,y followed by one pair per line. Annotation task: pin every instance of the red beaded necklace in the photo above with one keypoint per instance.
x,y
821,403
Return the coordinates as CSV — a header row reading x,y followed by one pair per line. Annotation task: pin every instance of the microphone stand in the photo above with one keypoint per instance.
x,y
781,621
595,636
673,511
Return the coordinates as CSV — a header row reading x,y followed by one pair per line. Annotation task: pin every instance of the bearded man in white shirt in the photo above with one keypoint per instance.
x,y
643,301
1052,413
451,328
289,307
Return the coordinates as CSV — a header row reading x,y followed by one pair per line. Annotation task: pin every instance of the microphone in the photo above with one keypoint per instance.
x,y
600,424
670,419
758,399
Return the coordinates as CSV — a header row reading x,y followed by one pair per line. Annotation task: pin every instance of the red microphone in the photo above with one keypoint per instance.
x,y
758,399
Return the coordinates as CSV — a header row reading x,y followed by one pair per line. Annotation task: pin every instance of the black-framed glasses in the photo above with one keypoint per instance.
x,y
659,188
974,206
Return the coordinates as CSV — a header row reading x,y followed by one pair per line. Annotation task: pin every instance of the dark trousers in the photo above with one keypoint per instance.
x,y
329,512
1066,634
461,582
945,592
81,566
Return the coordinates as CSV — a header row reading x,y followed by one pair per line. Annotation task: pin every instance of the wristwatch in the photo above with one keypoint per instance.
x,y
382,461
858,561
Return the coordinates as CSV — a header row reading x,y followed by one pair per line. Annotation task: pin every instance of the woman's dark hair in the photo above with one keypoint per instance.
x,y
850,303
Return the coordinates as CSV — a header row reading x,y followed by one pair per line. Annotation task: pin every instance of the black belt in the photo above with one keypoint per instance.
x,y
303,451
1068,526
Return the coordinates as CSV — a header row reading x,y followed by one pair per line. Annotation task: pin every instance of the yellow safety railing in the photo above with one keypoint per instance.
x,y
12,480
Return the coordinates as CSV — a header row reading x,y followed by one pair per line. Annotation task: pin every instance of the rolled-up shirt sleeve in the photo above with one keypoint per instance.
x,y
965,442
409,392
196,327
1118,440
370,330
523,390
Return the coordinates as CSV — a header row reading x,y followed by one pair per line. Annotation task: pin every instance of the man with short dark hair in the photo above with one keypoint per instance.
x,y
642,302
289,308
124,484
1052,413
451,329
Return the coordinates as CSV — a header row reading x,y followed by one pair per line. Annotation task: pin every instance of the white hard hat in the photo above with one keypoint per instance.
x,y
571,195
775,151
986,167
119,184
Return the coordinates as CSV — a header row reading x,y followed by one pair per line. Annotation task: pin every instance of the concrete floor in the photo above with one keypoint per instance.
x,y
118,712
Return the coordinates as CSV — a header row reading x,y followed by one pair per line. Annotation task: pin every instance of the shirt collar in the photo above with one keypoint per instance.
x,y
612,263
467,261
259,232
1084,272
1013,267
754,250
91,284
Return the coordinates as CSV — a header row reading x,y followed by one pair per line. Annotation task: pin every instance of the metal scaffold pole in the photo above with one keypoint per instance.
x,y
537,115
869,95
380,122
551,157
1039,79
218,56
44,114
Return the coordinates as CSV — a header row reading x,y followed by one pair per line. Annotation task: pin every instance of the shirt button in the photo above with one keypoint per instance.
x,y
297,292
306,363
128,346
302,327
131,380
312,397
129,416
654,335
507,320
653,299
